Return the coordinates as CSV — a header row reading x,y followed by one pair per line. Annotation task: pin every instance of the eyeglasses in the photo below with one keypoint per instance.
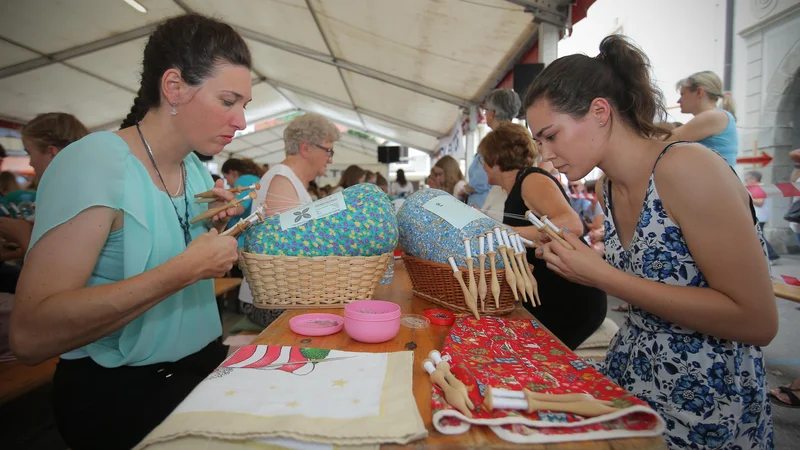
x,y
327,149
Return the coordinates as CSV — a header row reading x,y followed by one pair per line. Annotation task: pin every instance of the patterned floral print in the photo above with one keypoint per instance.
x,y
709,391
425,235
367,228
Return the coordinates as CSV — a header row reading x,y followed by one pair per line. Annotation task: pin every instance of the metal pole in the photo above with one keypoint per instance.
x,y
728,69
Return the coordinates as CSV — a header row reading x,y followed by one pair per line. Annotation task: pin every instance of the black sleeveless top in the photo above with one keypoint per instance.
x,y
569,310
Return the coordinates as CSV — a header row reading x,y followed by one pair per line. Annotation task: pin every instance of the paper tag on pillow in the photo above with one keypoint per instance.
x,y
327,206
454,211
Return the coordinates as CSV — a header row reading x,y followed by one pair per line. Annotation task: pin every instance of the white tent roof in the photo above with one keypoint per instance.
x,y
399,70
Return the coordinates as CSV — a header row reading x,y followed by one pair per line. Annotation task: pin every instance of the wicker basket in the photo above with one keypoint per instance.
x,y
435,282
297,282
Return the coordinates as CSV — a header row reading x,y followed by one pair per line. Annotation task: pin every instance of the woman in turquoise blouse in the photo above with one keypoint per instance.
x,y
117,281
712,126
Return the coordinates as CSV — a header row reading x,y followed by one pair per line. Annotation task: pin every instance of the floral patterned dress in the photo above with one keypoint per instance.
x,y
711,392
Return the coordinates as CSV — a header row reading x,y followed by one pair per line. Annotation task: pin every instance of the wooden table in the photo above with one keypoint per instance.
x,y
399,291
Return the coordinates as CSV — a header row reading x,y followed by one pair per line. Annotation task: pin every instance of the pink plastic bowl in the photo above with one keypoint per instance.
x,y
372,321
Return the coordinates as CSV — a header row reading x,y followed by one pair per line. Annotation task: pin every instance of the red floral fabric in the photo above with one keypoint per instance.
x,y
518,353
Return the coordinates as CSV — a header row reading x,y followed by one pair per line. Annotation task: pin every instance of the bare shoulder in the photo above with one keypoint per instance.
x,y
690,176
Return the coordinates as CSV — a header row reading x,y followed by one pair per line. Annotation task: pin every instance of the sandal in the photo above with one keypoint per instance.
x,y
794,400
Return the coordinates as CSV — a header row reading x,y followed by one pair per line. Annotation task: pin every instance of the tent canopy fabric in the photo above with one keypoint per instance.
x,y
398,70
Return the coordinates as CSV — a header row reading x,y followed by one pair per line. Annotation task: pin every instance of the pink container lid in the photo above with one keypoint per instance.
x,y
372,310
317,324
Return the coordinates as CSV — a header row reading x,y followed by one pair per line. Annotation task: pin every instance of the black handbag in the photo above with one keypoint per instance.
x,y
793,215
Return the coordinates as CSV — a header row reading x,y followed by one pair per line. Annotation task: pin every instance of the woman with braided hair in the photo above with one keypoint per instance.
x,y
129,299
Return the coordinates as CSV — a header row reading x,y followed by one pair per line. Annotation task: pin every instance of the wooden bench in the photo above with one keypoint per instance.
x,y
223,285
787,291
17,379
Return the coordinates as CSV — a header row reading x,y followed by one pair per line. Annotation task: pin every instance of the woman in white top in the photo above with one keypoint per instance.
x,y
308,142
401,187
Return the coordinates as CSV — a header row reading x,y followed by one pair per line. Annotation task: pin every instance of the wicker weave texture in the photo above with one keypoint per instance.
x,y
296,282
435,282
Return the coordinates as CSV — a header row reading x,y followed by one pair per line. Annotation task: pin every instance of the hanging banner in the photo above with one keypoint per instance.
x,y
453,144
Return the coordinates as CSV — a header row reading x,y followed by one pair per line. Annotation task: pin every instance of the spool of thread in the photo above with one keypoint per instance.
x,y
430,368
526,241
481,240
435,356
506,240
553,226
490,241
452,262
534,220
499,236
507,393
468,248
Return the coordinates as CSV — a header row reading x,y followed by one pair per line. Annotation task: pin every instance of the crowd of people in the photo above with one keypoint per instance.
x,y
129,300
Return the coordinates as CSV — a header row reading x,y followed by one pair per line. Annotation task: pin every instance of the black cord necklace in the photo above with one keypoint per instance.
x,y
184,222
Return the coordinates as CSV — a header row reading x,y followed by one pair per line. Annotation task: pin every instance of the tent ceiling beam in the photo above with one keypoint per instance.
x,y
348,106
352,67
83,49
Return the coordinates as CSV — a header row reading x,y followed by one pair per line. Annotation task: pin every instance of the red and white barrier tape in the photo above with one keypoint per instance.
x,y
758,191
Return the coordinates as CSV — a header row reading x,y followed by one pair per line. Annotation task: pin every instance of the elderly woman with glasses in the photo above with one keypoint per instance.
x,y
308,142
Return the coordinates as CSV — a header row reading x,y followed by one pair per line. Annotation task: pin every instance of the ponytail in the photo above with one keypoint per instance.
x,y
620,74
727,104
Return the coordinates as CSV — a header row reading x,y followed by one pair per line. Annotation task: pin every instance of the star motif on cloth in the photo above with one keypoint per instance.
x,y
230,393
339,382
292,404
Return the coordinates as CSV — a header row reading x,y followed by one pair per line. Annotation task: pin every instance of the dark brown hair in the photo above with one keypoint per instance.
x,y
509,146
56,129
620,74
350,176
401,177
244,166
193,44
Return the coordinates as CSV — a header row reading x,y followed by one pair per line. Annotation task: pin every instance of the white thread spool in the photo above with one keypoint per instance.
x,y
509,403
518,243
551,225
490,240
481,240
506,241
468,248
452,262
499,236
525,241
507,393
435,356
535,220
429,367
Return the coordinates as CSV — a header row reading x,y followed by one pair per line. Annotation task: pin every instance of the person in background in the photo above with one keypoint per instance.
x,y
370,177
509,156
501,105
698,282
325,191
762,207
351,176
117,281
8,183
215,177
241,173
264,169
313,191
448,177
43,138
402,188
578,204
712,126
381,182
308,142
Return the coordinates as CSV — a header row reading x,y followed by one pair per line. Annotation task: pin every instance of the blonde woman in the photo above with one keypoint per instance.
x,y
712,126
448,176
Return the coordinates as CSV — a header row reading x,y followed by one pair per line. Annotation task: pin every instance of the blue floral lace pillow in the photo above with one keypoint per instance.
x,y
366,227
425,234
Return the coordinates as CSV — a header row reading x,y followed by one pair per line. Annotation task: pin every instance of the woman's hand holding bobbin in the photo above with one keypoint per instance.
x,y
212,255
582,265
